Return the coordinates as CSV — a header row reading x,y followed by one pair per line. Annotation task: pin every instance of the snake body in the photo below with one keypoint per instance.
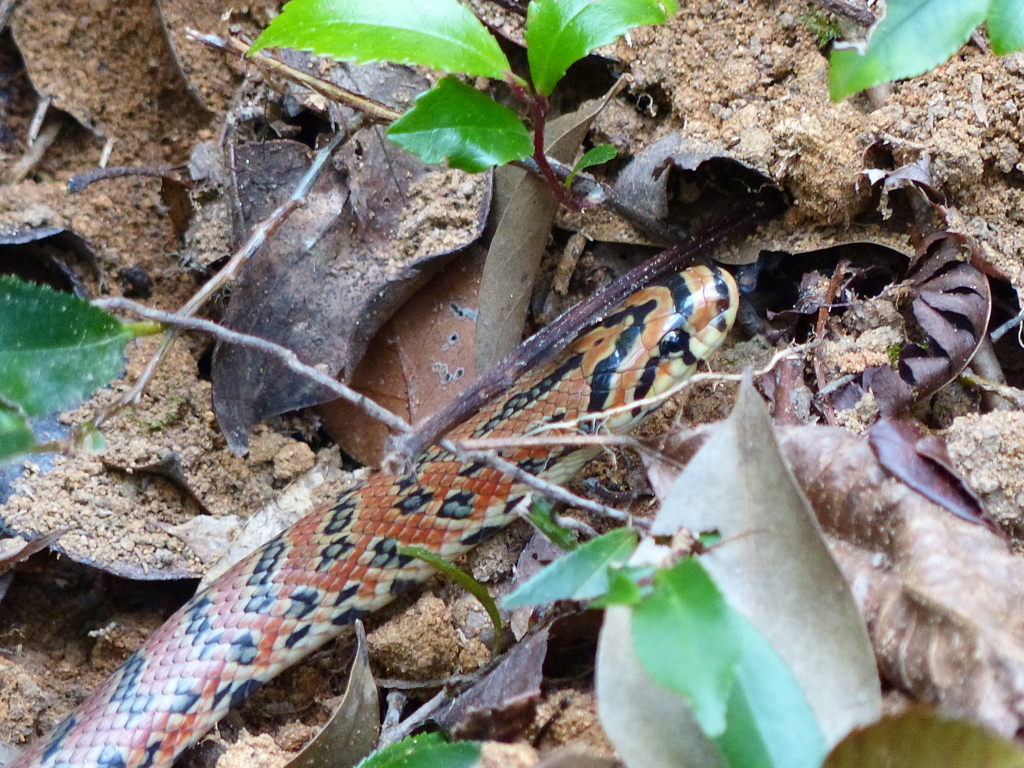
x,y
338,564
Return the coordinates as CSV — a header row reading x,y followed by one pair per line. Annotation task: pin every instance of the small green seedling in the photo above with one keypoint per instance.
x,y
453,120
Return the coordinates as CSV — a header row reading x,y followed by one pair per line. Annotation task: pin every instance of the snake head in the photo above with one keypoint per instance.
x,y
656,339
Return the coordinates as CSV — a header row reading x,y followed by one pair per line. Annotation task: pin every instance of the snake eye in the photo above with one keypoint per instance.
x,y
673,344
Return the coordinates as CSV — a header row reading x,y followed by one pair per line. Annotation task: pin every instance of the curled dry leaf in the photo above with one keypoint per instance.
x,y
351,733
912,177
773,564
675,186
944,599
952,304
923,463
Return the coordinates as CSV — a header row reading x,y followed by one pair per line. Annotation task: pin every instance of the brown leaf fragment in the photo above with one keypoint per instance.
x,y
351,733
17,550
423,358
922,462
952,306
524,210
920,738
501,704
943,599
678,186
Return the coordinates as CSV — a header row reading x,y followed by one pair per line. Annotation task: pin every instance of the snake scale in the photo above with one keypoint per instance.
x,y
338,564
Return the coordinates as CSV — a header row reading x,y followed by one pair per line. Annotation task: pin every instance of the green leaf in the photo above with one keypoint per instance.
x,y
622,590
580,575
464,580
425,751
1006,25
688,639
560,32
55,349
769,722
441,34
459,122
595,156
913,37
541,517
15,436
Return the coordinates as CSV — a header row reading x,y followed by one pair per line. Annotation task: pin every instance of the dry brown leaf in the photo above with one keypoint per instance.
x,y
952,305
944,599
351,733
419,361
336,270
503,702
923,463
678,186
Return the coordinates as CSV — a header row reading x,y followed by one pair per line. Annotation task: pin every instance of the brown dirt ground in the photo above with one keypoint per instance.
x,y
747,77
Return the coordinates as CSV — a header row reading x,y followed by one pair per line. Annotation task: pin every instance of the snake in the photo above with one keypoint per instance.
x,y
344,561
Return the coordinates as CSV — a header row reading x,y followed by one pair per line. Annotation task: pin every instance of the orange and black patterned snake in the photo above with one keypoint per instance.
x,y
301,588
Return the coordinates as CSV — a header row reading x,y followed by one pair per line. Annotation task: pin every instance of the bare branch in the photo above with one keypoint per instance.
x,y
283,354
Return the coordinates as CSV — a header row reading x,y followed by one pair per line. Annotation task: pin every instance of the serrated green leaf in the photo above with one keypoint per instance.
x,y
688,639
426,751
15,435
1006,25
441,34
455,121
769,722
560,32
580,575
55,349
914,36
595,156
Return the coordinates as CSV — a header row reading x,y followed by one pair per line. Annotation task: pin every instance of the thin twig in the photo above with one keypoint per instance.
x,y
283,354
549,489
375,111
1008,326
675,390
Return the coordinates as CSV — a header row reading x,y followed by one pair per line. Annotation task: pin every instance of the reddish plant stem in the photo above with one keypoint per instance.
x,y
538,104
